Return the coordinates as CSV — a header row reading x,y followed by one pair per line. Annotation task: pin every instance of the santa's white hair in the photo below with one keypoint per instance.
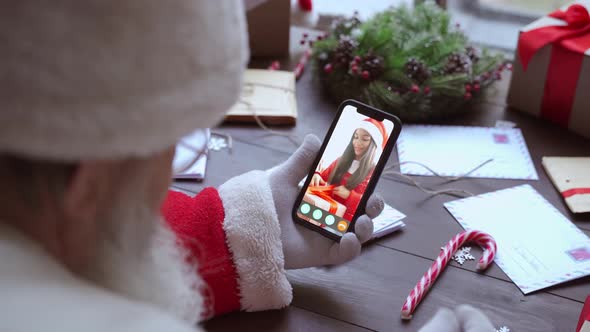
x,y
140,257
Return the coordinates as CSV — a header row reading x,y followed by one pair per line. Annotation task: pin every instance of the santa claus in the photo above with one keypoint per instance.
x,y
95,95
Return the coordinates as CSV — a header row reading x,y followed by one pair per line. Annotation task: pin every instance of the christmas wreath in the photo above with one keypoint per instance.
x,y
410,62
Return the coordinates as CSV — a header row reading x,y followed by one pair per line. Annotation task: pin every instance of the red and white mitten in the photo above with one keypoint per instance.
x,y
242,236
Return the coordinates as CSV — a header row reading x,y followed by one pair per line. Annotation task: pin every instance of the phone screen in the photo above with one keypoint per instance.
x,y
346,166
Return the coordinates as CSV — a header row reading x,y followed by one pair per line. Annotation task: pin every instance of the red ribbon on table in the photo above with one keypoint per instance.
x,y
325,192
575,191
569,41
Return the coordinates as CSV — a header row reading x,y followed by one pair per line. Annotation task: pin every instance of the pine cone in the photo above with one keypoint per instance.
x,y
473,53
417,71
343,53
457,63
373,64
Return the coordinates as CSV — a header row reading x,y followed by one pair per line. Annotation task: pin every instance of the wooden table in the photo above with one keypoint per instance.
x,y
367,293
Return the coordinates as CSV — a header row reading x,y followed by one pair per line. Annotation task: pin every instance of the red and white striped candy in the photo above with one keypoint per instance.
x,y
481,238
299,67
301,64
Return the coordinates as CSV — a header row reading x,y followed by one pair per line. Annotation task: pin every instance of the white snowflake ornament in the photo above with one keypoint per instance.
x,y
503,329
217,143
462,255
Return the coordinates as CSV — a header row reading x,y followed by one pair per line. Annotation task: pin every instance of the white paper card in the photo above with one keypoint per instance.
x,y
187,164
389,221
538,247
456,150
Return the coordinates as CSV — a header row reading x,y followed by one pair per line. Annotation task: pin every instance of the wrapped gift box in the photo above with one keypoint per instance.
x,y
268,27
571,177
551,72
324,204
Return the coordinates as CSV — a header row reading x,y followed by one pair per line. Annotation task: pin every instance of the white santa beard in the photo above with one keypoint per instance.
x,y
139,257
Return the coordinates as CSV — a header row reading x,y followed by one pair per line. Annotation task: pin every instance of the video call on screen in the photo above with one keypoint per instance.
x,y
346,166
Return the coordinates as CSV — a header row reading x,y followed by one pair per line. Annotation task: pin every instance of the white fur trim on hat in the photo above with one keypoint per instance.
x,y
110,79
254,238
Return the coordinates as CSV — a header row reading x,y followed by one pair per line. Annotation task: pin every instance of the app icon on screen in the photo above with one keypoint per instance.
x,y
342,226
317,214
330,220
305,208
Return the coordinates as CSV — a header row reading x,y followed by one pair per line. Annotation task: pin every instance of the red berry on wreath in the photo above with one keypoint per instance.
x,y
467,95
305,35
498,75
467,87
415,88
476,87
302,42
365,74
275,65
319,38
426,90
354,68
357,59
328,68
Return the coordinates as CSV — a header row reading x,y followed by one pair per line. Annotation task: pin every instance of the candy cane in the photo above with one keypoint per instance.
x,y
301,64
299,67
447,252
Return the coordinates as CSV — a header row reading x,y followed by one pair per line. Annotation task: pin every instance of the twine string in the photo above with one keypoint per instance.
x,y
450,191
388,171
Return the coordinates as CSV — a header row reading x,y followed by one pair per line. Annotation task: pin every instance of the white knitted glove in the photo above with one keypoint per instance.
x,y
464,318
303,247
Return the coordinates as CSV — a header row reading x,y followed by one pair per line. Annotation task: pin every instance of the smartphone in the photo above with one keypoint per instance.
x,y
346,170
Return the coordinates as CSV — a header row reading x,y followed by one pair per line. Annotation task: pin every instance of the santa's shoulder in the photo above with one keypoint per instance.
x,y
38,294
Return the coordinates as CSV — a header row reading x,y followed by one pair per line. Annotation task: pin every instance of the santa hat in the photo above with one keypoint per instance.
x,y
110,79
377,131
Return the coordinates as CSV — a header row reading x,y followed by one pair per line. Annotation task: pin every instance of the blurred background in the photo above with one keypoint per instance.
x,y
491,23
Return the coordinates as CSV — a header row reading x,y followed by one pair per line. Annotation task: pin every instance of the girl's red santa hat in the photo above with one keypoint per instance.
x,y
377,130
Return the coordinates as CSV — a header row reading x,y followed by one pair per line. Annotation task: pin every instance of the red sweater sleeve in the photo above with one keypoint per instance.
x,y
356,194
198,223
233,235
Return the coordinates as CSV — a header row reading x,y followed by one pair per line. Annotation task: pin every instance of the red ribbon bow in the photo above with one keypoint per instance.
x,y
324,193
569,43
578,25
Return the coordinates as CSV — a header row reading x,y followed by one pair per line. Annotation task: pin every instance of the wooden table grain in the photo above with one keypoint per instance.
x,y
367,293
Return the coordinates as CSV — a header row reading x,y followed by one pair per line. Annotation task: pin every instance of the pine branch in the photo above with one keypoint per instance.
x,y
383,95
411,62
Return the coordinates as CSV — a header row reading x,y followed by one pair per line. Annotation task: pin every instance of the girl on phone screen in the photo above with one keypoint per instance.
x,y
351,172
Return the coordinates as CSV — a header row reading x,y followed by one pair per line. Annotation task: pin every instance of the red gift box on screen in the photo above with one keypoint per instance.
x,y
321,197
551,72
